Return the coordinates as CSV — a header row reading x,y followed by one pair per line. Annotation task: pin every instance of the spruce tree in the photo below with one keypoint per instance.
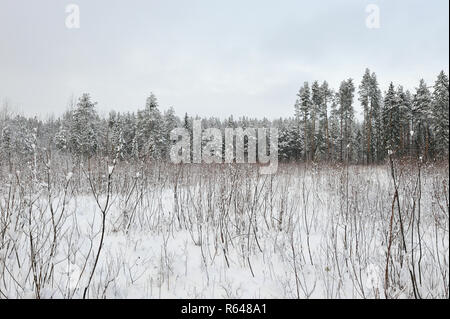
x,y
83,132
150,130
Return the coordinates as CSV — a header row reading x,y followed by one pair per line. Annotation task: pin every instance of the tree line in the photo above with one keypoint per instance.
x,y
323,126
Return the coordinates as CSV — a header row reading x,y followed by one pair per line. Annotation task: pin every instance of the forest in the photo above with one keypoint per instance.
x,y
92,207
323,127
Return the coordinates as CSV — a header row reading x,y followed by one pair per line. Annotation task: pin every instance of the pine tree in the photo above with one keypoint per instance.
x,y
440,106
150,130
284,150
334,128
404,109
302,115
62,137
369,97
391,120
422,117
346,113
359,142
376,132
171,122
316,105
7,146
83,132
324,133
294,141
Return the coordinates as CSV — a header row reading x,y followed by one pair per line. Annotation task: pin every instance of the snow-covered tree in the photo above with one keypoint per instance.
x,y
422,114
391,120
171,121
440,107
404,109
150,130
370,98
302,116
83,129
324,133
346,113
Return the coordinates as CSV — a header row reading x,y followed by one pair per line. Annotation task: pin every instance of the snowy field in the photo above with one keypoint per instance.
x,y
225,232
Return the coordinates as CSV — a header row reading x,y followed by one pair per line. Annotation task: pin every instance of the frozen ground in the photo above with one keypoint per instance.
x,y
226,232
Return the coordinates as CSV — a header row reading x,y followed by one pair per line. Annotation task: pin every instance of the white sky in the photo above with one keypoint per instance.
x,y
210,57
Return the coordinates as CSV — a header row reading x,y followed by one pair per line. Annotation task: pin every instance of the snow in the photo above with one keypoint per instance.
x,y
336,247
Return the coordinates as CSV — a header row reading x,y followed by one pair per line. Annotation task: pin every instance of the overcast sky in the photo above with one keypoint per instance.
x,y
210,57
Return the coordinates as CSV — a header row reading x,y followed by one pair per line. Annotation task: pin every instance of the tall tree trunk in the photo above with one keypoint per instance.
x,y
328,139
369,138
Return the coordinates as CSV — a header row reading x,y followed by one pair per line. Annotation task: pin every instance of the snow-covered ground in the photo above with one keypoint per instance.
x,y
227,232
